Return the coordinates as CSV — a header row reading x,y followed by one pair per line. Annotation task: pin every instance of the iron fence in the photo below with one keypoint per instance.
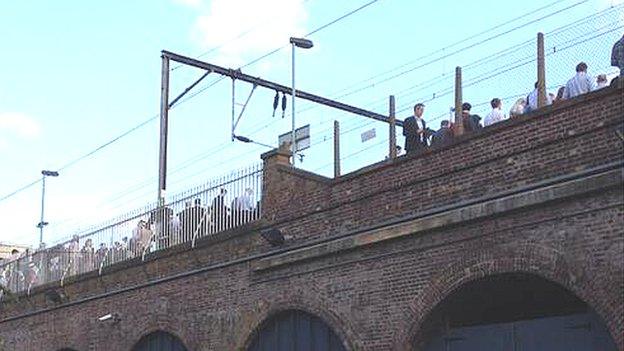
x,y
219,205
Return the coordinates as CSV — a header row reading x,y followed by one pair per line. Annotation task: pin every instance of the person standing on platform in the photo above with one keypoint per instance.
x,y
414,128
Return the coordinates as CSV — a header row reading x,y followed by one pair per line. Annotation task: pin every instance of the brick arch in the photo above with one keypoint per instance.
x,y
156,324
597,290
305,302
160,331
69,343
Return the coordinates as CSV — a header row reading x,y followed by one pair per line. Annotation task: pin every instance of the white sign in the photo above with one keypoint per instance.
x,y
302,136
368,135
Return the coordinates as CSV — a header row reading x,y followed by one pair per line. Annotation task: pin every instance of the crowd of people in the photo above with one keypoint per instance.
x,y
161,229
419,136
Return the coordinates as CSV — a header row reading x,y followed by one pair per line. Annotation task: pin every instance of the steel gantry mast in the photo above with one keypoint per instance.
x,y
237,74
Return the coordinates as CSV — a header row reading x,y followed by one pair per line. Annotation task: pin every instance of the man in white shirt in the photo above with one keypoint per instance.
x,y
532,99
580,84
496,115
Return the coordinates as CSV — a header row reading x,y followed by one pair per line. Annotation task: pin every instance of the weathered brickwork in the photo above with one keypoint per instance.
x,y
375,294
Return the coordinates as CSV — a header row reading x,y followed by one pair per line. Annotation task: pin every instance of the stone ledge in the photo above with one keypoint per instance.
x,y
451,217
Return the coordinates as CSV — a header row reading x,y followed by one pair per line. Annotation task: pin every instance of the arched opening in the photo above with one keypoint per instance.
x,y
295,330
159,341
513,312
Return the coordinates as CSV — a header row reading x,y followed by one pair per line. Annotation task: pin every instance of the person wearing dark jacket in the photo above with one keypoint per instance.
x,y
414,130
442,136
471,122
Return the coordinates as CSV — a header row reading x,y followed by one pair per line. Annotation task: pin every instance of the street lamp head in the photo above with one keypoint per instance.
x,y
301,42
49,173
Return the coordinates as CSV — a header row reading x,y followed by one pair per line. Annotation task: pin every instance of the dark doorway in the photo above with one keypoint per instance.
x,y
514,312
159,341
295,331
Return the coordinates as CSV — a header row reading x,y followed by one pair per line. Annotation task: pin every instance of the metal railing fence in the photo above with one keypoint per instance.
x,y
224,203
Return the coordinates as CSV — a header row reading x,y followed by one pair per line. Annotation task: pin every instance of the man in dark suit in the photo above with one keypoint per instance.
x,y
414,128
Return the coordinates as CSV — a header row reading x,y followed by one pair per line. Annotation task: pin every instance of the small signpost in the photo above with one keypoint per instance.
x,y
302,138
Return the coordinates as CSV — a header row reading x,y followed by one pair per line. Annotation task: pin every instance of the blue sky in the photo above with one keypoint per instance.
x,y
77,74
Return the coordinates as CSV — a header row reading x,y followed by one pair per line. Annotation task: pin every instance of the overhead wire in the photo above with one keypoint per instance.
x,y
71,163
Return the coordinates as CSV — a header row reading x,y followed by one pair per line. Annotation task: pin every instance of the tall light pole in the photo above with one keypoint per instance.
x,y
304,44
42,223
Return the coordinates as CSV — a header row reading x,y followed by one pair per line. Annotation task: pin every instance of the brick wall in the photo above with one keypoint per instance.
x,y
376,296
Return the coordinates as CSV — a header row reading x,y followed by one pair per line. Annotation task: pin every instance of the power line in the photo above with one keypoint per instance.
x,y
239,36
455,43
338,19
20,189
186,99
470,46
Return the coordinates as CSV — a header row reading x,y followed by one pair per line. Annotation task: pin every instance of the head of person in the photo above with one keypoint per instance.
x,y
466,108
602,78
560,93
14,252
581,67
444,124
419,109
496,103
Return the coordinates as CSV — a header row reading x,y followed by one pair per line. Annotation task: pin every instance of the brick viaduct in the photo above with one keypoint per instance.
x,y
372,253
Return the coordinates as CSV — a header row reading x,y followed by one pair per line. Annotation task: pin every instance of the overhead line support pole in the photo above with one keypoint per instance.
x,y
336,149
392,152
541,72
164,118
459,123
233,104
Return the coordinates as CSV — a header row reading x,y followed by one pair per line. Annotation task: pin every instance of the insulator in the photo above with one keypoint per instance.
x,y
283,104
275,102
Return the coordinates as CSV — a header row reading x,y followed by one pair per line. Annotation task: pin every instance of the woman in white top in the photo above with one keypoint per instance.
x,y
518,108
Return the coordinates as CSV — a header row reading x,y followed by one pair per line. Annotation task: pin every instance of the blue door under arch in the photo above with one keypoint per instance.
x,y
159,341
295,331
577,332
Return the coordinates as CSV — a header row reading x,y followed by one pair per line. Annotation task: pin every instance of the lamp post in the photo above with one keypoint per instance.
x,y
304,44
42,224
